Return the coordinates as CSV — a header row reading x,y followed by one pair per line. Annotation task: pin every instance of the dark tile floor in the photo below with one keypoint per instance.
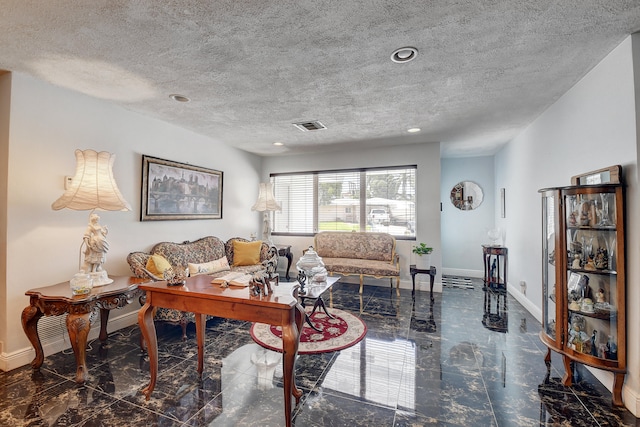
x,y
448,364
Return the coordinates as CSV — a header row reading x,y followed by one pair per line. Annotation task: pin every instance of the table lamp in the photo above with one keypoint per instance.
x,y
266,203
93,188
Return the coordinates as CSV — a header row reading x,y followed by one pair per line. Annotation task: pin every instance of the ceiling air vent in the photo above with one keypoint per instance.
x,y
309,126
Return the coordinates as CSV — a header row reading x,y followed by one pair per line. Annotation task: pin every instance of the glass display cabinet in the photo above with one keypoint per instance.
x,y
583,274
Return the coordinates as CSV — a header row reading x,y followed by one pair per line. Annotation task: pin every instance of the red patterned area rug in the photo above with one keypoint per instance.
x,y
337,334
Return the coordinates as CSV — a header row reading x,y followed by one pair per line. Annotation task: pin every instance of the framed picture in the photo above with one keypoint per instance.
x,y
503,213
175,191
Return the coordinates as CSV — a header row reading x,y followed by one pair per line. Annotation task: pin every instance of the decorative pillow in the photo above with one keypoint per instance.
x,y
246,253
157,264
210,267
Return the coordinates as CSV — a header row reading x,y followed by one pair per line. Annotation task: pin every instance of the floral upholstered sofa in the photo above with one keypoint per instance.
x,y
361,254
208,255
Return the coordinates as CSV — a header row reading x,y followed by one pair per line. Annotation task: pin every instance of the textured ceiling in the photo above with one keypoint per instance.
x,y
485,69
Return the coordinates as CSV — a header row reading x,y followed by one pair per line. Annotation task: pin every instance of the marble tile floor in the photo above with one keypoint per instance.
x,y
447,363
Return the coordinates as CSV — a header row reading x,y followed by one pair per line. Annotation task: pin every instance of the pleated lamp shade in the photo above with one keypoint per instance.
x,y
93,186
266,201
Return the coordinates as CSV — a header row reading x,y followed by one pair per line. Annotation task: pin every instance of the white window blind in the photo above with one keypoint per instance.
x,y
376,199
339,201
296,194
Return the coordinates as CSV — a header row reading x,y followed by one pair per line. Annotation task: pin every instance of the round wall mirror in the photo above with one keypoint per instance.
x,y
466,195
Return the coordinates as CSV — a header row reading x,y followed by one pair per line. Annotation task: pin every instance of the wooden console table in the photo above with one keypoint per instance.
x,y
201,297
57,299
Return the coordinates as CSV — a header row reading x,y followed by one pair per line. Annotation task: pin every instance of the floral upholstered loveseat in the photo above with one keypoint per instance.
x,y
188,256
361,254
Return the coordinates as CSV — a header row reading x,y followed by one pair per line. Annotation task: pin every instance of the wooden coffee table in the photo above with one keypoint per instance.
x,y
201,297
57,299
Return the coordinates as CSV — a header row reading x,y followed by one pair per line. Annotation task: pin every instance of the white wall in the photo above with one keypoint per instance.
x,y
426,156
464,232
47,124
5,99
594,125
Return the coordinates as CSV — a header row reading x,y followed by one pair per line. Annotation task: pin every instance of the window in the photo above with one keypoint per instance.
x,y
377,199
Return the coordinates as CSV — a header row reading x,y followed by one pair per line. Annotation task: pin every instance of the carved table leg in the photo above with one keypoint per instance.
x,y
148,330
432,276
200,335
320,304
307,318
547,362
104,319
618,379
413,280
30,317
290,340
289,256
183,326
297,393
142,299
568,372
78,326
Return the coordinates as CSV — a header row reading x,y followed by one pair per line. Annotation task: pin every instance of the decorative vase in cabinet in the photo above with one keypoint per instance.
x,y
583,275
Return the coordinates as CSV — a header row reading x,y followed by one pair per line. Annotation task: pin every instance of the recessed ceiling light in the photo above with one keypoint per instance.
x,y
414,130
404,54
179,98
279,144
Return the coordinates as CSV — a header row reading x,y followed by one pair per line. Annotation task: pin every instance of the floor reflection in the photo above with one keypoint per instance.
x,y
421,363
496,314
419,323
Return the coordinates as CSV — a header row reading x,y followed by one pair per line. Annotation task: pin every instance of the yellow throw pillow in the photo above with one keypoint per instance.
x,y
157,264
210,267
246,253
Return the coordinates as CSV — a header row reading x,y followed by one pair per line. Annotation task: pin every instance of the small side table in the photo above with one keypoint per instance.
x,y
314,292
285,251
495,260
57,299
431,272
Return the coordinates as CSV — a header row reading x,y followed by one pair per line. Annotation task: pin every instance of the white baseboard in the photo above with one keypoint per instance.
x,y
24,356
526,303
631,401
